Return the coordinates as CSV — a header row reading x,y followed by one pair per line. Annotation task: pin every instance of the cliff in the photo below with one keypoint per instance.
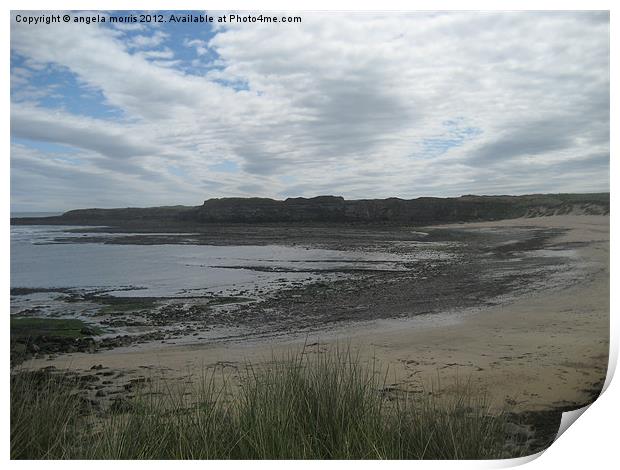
x,y
334,209
424,210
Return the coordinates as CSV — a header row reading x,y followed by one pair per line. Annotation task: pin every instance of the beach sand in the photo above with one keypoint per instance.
x,y
547,350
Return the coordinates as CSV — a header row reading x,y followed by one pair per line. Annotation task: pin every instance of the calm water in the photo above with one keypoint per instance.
x,y
171,270
34,214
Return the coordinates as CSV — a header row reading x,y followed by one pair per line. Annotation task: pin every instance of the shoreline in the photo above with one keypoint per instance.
x,y
539,352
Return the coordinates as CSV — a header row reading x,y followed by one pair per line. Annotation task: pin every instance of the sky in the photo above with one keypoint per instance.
x,y
362,105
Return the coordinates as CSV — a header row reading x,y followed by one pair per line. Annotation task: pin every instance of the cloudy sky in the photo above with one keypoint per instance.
x,y
359,105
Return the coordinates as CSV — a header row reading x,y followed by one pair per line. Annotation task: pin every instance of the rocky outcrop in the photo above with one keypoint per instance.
x,y
257,210
129,216
335,209
425,210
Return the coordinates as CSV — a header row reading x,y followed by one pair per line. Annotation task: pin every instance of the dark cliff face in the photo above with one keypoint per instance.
x,y
256,210
424,210
333,209
134,216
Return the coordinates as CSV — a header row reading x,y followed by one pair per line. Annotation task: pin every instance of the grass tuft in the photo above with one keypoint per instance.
x,y
327,406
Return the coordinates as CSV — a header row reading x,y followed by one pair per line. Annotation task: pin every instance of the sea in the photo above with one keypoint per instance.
x,y
44,256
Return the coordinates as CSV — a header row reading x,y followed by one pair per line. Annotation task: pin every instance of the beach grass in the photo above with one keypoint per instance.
x,y
326,406
46,416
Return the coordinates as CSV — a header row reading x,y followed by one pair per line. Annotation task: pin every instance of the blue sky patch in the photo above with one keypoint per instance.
x,y
455,135
227,166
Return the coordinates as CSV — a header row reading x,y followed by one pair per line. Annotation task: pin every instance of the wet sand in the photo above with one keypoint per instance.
x,y
547,350
544,351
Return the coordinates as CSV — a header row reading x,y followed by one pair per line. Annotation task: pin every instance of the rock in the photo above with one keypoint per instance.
x,y
335,209
88,331
18,348
97,367
140,380
85,379
420,210
121,405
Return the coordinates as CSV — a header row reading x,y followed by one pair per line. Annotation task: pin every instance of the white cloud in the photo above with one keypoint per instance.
x,y
198,44
141,41
362,105
129,26
165,53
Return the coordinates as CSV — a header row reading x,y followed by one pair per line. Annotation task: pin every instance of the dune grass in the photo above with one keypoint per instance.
x,y
323,407
46,416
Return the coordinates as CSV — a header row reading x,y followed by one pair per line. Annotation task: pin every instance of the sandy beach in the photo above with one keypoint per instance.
x,y
542,351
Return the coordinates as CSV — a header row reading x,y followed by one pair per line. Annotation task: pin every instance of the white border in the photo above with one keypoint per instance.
x,y
591,443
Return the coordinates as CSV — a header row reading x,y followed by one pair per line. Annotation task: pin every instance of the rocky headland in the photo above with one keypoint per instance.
x,y
335,209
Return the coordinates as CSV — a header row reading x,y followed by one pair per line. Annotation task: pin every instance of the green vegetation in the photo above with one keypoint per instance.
x,y
35,290
329,407
122,305
45,415
29,327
